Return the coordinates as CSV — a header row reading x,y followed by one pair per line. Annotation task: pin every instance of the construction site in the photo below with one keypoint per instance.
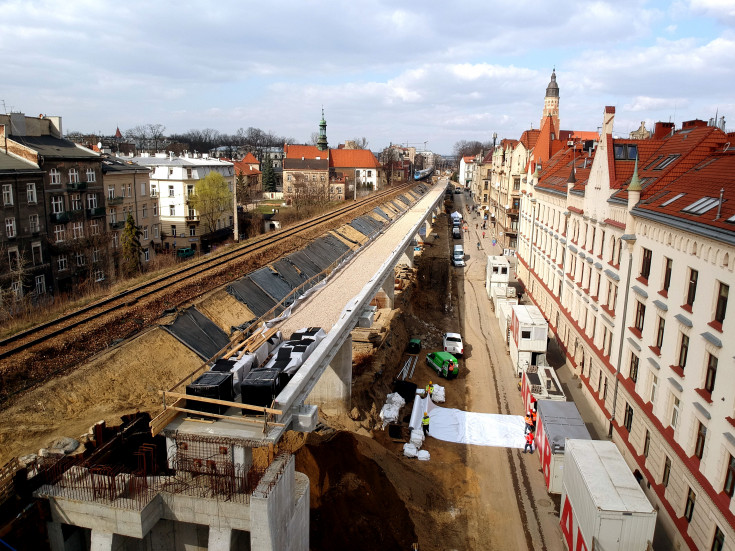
x,y
132,451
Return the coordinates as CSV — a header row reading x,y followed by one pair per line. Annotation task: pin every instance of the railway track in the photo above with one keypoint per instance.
x,y
38,335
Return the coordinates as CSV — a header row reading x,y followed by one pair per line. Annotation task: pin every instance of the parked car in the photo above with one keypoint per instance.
x,y
456,232
458,256
453,344
185,253
444,364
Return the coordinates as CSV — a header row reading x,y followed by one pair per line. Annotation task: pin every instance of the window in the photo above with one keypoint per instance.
x,y
94,227
114,240
647,443
142,189
192,213
628,419
31,194
99,275
96,255
92,201
33,225
370,173
146,254
667,472
130,190
76,201
111,192
14,259
155,209
144,211
604,390
55,177
660,333
729,487
40,284
77,230
145,233
188,173
59,233
10,227
689,507
189,190
633,367
170,171
73,176
57,204
155,231
17,288
81,259
701,438
692,288
646,264
154,191
173,231
36,254
172,210
170,190
113,216
683,351
61,262
721,307
192,231
91,176
675,412
7,194
709,380
718,541
654,386
640,315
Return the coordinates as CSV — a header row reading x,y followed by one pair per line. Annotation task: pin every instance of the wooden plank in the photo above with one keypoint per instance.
x,y
160,421
222,402
228,417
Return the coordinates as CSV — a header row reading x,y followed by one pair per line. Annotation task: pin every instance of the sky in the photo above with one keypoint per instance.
x,y
424,74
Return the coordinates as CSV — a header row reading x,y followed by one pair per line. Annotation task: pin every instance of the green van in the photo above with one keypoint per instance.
x,y
444,364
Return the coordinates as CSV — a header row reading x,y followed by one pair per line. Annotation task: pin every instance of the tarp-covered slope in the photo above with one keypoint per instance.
x,y
197,332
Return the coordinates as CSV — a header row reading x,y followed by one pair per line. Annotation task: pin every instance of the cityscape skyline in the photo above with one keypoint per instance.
x,y
444,74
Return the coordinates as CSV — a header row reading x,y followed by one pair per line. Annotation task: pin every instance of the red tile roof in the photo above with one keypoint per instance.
x,y
556,171
468,159
529,138
352,158
304,151
250,159
244,168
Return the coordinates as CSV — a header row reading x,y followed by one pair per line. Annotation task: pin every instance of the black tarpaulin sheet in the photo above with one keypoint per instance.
x,y
289,272
379,212
305,264
404,199
366,225
343,236
250,294
325,250
398,206
276,287
198,332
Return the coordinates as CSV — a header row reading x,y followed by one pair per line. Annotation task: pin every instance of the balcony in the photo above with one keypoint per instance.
x,y
95,212
77,186
60,217
114,200
117,225
76,214
192,218
154,193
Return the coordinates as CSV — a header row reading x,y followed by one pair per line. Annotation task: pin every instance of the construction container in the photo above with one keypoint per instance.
x,y
556,422
503,312
539,382
211,384
528,336
497,274
603,507
261,386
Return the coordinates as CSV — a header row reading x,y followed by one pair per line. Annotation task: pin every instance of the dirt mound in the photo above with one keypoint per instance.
x,y
340,477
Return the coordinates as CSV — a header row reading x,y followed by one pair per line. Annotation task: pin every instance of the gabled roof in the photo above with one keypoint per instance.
x,y
468,159
12,163
556,171
250,159
56,148
529,138
304,151
244,168
352,158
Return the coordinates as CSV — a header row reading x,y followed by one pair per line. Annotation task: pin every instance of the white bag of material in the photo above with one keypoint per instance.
x,y
395,399
417,437
389,413
437,396
409,450
423,455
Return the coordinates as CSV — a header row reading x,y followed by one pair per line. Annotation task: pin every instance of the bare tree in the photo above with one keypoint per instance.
x,y
361,143
464,148
314,138
155,133
308,196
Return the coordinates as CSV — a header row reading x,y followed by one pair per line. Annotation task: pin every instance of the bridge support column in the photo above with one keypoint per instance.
x,y
407,256
334,388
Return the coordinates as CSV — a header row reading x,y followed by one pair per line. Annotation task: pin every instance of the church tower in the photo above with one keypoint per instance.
x,y
551,102
321,143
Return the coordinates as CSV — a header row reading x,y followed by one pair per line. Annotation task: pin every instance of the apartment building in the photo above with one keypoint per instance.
x,y
305,171
628,249
172,182
128,191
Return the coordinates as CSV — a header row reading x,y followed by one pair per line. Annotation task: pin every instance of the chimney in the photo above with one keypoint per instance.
x,y
607,120
56,129
662,129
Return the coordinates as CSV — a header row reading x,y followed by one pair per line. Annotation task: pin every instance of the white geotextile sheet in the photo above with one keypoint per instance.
x,y
467,427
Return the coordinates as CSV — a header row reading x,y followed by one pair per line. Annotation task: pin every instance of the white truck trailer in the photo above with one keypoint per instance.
x,y
528,336
602,505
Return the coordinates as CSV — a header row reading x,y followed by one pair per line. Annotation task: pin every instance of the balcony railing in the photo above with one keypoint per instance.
x,y
154,193
192,218
114,200
60,217
96,212
117,225
77,186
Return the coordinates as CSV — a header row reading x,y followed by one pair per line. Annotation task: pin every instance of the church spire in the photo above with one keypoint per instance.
x,y
321,143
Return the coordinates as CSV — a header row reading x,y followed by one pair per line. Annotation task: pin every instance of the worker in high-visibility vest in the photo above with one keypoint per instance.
x,y
425,423
430,389
529,443
533,418
529,423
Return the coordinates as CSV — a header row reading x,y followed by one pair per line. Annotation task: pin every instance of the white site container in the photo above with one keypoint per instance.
x,y
497,274
539,382
504,313
556,422
603,507
500,297
528,336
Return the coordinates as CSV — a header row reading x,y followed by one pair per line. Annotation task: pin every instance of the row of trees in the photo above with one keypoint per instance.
x,y
464,148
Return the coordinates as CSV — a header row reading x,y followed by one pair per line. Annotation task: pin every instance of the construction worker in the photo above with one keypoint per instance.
x,y
425,423
529,423
533,418
430,389
529,443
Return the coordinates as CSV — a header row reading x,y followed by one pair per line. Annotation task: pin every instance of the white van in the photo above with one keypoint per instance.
x,y
458,255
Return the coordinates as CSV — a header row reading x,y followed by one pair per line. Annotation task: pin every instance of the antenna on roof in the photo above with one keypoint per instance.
x,y
719,207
